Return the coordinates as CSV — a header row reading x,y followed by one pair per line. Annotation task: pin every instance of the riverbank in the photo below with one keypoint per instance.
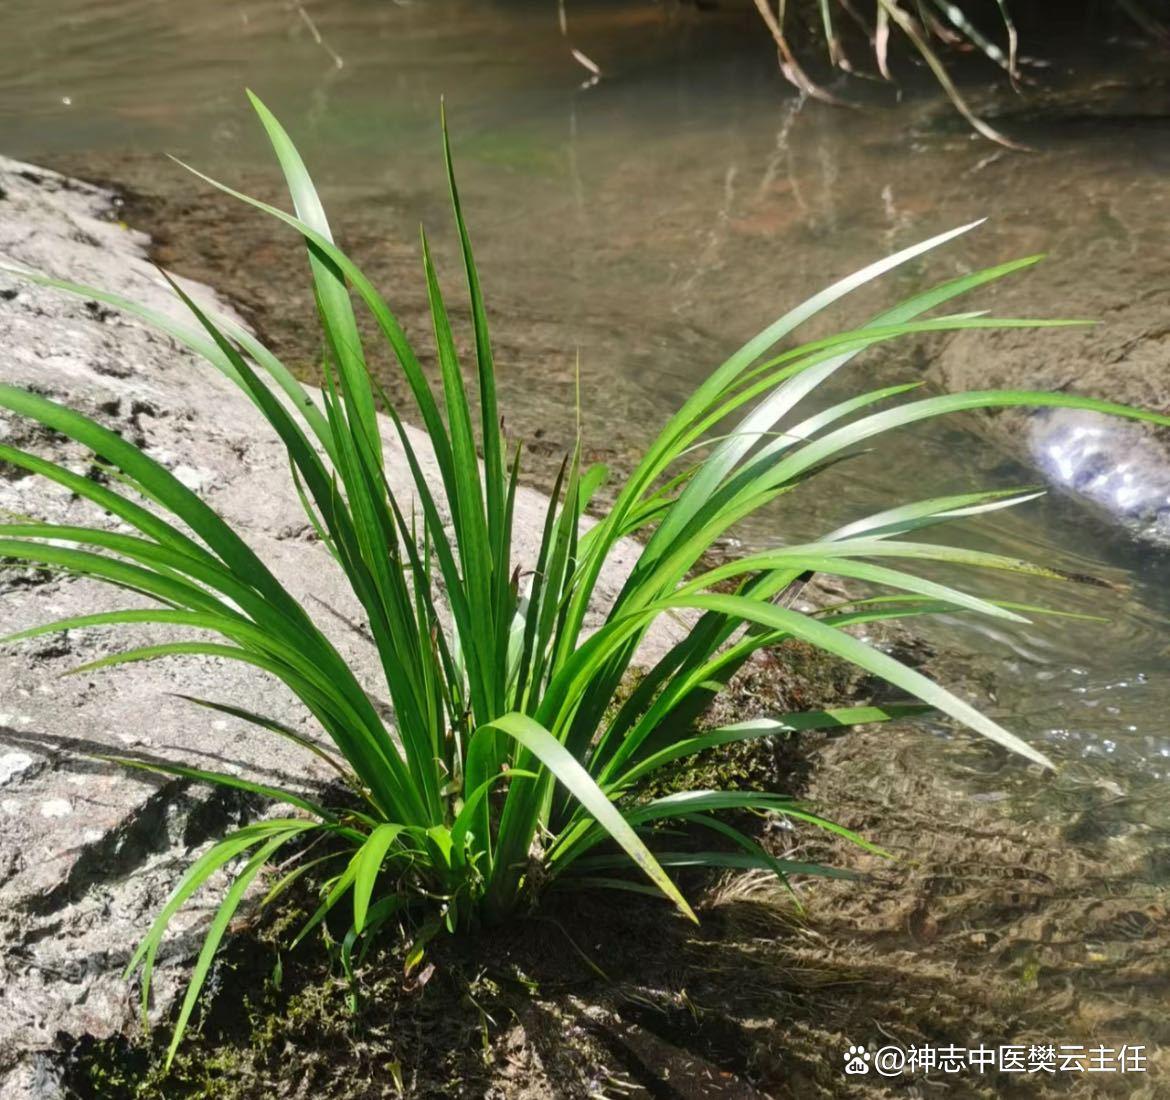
x,y
992,926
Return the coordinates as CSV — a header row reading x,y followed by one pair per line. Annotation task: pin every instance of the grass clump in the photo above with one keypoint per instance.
x,y
516,761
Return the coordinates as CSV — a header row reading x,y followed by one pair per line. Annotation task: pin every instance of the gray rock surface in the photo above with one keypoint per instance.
x,y
88,851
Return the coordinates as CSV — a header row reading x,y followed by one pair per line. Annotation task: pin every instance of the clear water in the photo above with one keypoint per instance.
x,y
650,223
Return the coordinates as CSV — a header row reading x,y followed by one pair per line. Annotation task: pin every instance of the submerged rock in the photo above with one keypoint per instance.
x,y
1119,466
1115,464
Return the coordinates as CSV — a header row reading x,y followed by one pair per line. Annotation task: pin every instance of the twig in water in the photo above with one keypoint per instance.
x,y
589,64
308,21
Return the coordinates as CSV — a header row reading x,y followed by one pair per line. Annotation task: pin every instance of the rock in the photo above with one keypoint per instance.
x,y
14,764
89,850
1118,465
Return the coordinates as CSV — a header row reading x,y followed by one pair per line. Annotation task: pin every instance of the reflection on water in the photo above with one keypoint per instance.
x,y
654,219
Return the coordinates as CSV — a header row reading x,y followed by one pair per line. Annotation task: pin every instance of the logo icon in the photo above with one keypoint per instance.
x,y
857,1061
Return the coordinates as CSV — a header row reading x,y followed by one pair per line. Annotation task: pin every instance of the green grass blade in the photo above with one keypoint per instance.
x,y
927,408
280,729
554,756
370,858
467,505
840,718
158,481
196,875
866,657
489,411
332,294
739,861
223,779
911,517
215,933
197,343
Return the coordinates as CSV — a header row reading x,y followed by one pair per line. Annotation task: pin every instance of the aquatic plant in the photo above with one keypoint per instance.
x,y
517,754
